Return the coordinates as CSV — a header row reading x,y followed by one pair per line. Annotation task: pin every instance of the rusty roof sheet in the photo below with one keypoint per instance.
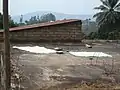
x,y
43,24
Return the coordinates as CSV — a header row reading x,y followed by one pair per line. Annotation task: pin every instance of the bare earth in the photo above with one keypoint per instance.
x,y
65,70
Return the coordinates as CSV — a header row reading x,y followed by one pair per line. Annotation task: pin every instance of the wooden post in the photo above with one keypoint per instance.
x,y
6,46
0,73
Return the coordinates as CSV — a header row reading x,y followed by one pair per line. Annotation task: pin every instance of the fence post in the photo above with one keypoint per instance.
x,y
6,46
0,73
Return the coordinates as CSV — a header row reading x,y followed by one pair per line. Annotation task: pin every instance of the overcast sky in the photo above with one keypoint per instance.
x,y
18,7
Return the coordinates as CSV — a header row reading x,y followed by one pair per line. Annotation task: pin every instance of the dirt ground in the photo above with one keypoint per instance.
x,y
45,71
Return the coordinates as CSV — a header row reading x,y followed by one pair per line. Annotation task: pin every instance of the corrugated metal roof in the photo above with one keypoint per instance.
x,y
42,24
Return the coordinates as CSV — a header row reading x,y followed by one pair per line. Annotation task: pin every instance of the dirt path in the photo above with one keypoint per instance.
x,y
46,70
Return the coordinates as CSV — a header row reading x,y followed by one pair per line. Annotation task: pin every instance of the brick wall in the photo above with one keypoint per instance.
x,y
63,32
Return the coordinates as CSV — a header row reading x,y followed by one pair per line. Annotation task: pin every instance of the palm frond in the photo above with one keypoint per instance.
x,y
105,2
117,15
110,12
117,7
113,3
111,17
101,7
98,14
101,19
108,17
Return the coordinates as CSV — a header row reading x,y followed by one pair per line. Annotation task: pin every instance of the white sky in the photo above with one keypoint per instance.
x,y
18,7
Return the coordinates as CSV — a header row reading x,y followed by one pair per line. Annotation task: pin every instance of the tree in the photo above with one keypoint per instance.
x,y
89,26
47,17
44,18
108,19
21,21
109,12
11,22
93,35
38,18
33,20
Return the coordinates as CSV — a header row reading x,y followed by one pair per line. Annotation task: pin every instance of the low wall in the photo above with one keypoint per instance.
x,y
70,32
101,41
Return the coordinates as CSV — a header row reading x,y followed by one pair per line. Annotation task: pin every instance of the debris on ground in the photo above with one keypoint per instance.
x,y
58,49
88,46
59,52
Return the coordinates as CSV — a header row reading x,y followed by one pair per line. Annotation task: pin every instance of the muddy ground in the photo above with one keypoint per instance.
x,y
43,71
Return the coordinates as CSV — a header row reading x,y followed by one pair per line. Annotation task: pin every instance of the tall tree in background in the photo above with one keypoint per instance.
x,y
44,18
109,12
21,21
47,17
33,20
38,18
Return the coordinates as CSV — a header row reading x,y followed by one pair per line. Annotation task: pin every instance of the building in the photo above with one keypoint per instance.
x,y
68,30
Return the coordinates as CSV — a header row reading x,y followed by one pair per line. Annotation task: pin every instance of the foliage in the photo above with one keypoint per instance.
x,y
44,18
93,35
113,35
11,22
21,21
108,20
33,20
89,26
109,12
47,17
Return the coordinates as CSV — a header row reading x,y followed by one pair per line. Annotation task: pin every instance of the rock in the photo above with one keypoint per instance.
x,y
88,46
58,49
60,52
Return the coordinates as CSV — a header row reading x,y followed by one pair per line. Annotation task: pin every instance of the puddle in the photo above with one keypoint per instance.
x,y
36,49
90,54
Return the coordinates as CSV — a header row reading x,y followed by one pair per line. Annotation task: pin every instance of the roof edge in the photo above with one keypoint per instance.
x,y
43,24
